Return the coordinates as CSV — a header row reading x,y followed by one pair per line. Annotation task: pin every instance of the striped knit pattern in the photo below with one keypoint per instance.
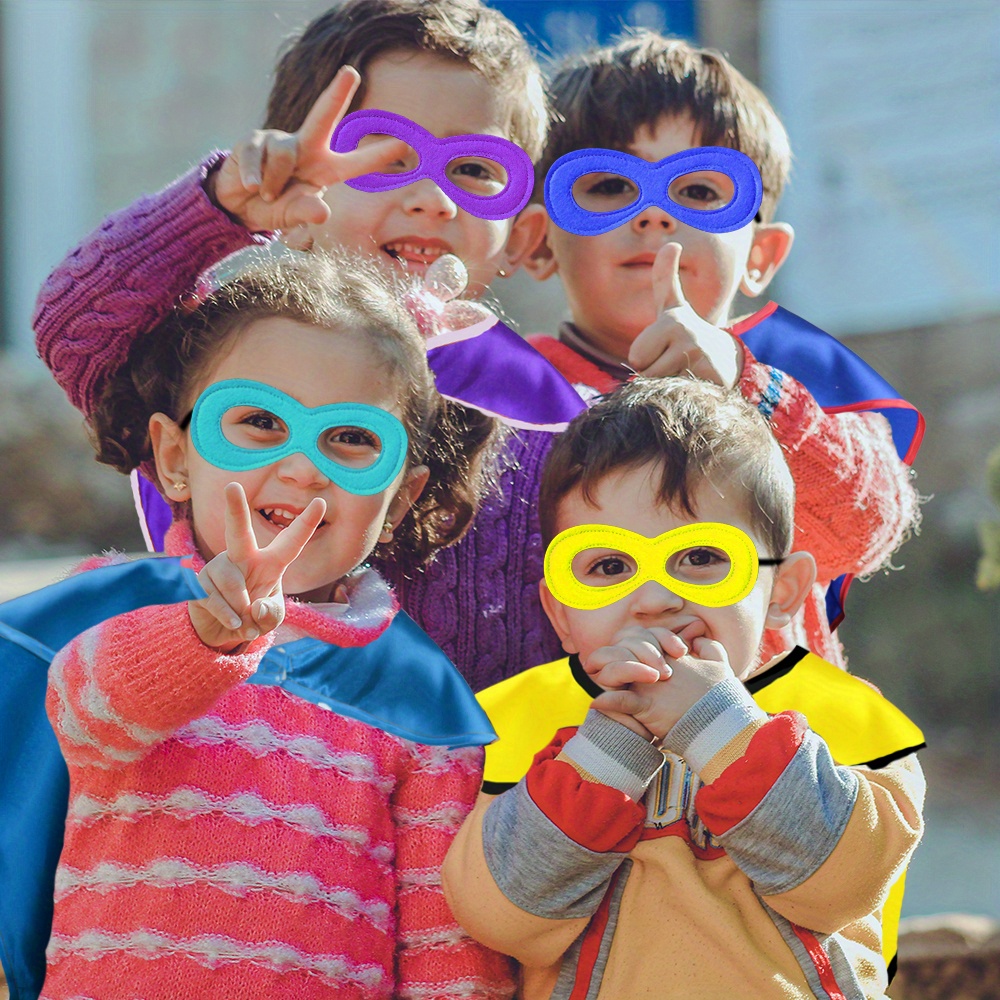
x,y
231,840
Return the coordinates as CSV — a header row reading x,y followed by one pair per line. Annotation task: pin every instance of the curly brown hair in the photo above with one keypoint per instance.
x,y
335,291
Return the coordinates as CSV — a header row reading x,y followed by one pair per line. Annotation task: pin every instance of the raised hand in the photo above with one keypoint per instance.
x,y
243,584
658,707
276,180
679,340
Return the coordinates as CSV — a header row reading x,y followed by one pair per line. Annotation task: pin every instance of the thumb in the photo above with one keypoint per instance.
x,y
709,649
667,291
268,612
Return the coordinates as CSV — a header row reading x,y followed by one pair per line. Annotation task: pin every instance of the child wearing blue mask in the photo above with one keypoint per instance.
x,y
651,259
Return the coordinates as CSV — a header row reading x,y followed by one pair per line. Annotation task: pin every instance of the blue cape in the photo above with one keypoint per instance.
x,y
839,381
363,683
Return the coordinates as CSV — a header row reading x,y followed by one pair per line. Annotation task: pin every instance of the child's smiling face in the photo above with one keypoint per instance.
x,y
607,278
628,499
412,226
316,367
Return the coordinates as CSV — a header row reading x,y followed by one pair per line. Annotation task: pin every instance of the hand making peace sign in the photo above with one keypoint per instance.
x,y
243,584
276,180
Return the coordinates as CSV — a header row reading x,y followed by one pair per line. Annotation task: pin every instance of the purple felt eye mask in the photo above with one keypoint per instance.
x,y
494,176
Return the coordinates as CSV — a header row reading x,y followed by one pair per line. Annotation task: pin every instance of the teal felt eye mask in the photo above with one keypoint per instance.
x,y
240,425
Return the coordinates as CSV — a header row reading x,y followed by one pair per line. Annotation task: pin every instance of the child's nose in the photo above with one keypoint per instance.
x,y
654,218
425,197
652,598
301,470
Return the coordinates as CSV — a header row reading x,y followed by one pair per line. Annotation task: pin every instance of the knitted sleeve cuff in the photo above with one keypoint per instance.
x,y
726,715
604,751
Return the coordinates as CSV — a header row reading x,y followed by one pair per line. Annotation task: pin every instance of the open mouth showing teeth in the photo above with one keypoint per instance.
x,y
413,252
281,517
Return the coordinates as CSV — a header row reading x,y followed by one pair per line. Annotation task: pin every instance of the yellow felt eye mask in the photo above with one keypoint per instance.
x,y
652,556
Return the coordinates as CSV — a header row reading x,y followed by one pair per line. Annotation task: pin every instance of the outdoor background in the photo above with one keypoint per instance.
x,y
895,198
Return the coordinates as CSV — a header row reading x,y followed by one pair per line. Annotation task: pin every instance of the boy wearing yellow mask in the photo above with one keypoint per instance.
x,y
713,826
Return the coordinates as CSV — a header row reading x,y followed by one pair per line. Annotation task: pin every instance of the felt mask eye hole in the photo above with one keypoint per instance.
x,y
406,161
604,192
602,567
253,428
350,446
702,190
479,176
701,566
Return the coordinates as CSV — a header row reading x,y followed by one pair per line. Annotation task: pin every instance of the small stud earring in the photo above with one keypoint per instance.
x,y
753,274
501,273
179,485
387,529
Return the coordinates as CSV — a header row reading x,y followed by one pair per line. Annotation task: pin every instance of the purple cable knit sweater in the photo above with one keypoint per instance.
x,y
478,600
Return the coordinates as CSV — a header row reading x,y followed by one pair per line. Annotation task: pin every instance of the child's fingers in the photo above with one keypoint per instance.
x,y
292,540
280,158
632,643
622,702
325,114
248,156
709,649
268,613
222,609
666,274
671,643
652,342
368,159
301,205
621,673
241,544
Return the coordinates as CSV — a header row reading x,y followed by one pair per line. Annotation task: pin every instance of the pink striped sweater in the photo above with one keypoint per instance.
x,y
232,840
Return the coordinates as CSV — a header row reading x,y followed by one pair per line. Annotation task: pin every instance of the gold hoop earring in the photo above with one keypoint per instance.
x,y
387,531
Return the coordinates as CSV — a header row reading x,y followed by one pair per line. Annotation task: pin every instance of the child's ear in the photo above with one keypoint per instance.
x,y
406,496
557,616
526,234
792,582
541,262
169,444
772,243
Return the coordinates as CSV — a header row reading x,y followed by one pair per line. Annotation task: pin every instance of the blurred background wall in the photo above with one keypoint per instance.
x,y
892,111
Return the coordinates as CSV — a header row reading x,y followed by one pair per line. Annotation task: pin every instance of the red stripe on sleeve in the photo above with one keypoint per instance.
x,y
595,816
741,786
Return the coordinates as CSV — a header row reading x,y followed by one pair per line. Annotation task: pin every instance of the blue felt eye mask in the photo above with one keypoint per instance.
x,y
303,428
653,181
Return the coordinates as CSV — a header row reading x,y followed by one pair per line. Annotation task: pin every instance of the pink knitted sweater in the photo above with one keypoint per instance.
x,y
232,840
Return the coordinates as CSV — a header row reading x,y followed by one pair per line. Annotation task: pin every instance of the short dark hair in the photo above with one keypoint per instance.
x,y
694,432
603,96
335,291
467,31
